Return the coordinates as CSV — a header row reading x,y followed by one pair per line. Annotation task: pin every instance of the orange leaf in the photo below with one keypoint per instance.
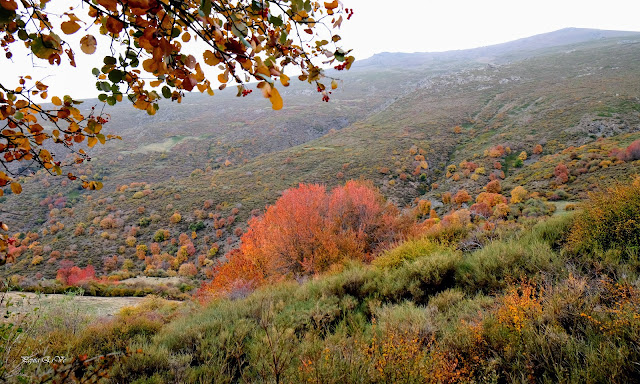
x,y
210,58
331,5
284,79
16,188
276,99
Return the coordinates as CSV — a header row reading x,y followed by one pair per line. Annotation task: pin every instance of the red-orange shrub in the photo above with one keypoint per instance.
x,y
632,152
461,197
69,274
494,186
307,231
491,199
562,173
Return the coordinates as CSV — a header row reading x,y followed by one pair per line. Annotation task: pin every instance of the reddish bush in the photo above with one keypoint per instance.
x,y
497,151
68,274
187,270
632,152
562,173
307,231
461,197
481,209
494,187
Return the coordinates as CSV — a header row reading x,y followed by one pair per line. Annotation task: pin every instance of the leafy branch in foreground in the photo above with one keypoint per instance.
x,y
244,40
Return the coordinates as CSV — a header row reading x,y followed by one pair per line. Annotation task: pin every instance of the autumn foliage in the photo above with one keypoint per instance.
x,y
561,173
461,197
632,152
307,231
69,274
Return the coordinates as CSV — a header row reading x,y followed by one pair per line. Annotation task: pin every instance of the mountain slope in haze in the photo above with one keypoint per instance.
x,y
498,53
216,167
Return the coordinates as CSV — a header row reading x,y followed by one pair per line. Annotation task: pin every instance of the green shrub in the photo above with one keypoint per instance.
x,y
197,226
419,279
489,268
609,226
407,251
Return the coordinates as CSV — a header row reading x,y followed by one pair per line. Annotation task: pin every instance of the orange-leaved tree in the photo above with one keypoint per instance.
x,y
307,231
148,43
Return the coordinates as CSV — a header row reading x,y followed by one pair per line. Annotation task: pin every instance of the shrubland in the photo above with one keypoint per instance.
x,y
532,303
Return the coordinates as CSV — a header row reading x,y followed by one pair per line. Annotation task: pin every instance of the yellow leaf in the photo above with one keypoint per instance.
x,y
334,84
16,188
88,44
45,155
69,27
56,101
276,99
91,141
284,79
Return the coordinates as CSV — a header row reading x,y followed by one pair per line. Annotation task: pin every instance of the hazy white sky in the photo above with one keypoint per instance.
x,y
441,25
401,26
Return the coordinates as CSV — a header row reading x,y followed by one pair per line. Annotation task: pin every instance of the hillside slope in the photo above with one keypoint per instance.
x,y
216,167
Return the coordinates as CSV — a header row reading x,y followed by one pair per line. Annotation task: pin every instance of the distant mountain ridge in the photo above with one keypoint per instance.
x,y
562,37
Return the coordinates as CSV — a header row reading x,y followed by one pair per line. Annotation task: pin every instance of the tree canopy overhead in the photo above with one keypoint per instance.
x,y
243,40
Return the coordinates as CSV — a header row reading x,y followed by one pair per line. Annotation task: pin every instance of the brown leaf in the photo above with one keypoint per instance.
x,y
70,27
88,44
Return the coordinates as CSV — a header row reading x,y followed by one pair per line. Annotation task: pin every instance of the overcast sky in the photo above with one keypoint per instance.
x,y
441,25
403,26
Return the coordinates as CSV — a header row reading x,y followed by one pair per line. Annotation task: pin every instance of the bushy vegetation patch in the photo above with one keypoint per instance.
x,y
607,231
